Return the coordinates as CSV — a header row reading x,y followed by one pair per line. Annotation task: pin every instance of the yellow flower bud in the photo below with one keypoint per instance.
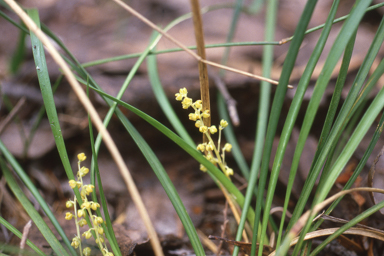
x,y
75,242
101,240
183,91
198,104
187,102
223,123
68,216
69,204
203,168
201,147
81,157
87,234
99,220
192,116
213,129
198,123
100,230
228,171
72,183
80,213
203,129
210,146
86,205
82,222
178,96
206,114
87,251
227,147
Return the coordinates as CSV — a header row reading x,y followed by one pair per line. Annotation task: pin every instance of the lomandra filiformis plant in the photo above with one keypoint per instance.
x,y
86,208
212,152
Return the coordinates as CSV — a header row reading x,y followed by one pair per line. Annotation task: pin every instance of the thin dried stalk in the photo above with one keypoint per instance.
x,y
203,72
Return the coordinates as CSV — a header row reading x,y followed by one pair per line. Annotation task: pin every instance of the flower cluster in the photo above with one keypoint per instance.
x,y
212,152
85,208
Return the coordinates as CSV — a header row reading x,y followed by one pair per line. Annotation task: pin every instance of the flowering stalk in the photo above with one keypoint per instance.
x,y
86,208
210,147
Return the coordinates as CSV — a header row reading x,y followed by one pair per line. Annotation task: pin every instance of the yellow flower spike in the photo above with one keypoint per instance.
x,y
68,216
192,117
72,183
100,230
212,129
203,168
206,114
198,123
201,147
227,147
187,102
223,123
81,157
82,222
87,251
203,129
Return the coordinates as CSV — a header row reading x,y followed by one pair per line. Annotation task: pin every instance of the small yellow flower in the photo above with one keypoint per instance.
x,y
192,116
87,251
228,171
198,104
83,171
210,146
75,242
68,216
101,240
100,230
94,206
89,188
201,147
81,157
80,213
86,205
72,183
187,102
69,204
82,222
87,234
213,129
99,220
203,129
206,114
227,147
223,123
203,168
198,123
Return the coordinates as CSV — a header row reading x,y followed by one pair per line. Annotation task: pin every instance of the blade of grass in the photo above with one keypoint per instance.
x,y
18,55
163,100
295,108
20,235
107,225
36,218
337,49
275,112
